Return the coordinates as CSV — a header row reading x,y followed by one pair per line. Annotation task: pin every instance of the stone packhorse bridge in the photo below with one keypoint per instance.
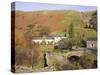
x,y
75,53
62,57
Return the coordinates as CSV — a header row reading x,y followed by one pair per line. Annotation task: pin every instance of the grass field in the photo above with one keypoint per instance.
x,y
79,31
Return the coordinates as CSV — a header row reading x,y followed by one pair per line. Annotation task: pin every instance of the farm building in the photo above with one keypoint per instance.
x,y
47,39
91,43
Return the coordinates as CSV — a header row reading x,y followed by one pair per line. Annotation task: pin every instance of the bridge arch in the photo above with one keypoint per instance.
x,y
73,58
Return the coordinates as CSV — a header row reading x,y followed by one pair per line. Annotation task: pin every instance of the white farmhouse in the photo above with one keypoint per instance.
x,y
37,40
47,40
58,38
91,43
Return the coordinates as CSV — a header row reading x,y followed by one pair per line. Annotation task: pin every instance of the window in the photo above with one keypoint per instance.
x,y
92,45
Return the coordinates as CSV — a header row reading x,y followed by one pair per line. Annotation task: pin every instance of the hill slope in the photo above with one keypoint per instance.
x,y
54,20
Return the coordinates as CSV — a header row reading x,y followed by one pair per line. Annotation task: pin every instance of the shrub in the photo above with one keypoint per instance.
x,y
23,57
27,56
87,60
66,44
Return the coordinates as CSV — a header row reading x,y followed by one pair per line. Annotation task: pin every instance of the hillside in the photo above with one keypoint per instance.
x,y
55,21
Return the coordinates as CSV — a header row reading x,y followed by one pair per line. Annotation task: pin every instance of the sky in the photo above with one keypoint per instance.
x,y
30,6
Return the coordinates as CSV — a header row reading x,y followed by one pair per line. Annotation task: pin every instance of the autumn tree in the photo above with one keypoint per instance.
x,y
35,50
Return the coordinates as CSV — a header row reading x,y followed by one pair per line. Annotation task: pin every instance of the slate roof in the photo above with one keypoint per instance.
x,y
91,39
